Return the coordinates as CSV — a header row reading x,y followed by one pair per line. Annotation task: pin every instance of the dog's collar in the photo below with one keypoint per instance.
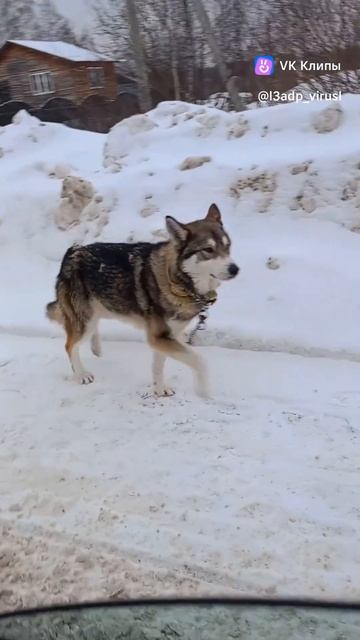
x,y
192,296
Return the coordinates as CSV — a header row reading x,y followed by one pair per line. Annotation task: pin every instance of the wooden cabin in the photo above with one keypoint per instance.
x,y
35,71
60,82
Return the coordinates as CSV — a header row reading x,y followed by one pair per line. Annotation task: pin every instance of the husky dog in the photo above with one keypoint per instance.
x,y
160,287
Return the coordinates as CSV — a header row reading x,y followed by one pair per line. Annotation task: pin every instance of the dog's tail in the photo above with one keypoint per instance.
x,y
69,289
53,312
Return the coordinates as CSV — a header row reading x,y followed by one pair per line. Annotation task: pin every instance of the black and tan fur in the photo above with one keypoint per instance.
x,y
160,287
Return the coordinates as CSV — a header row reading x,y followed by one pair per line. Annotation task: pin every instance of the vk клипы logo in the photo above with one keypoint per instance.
x,y
264,65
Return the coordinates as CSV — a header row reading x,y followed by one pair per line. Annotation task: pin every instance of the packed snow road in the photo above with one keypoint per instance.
x,y
107,492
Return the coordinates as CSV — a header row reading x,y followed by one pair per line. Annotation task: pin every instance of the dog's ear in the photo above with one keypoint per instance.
x,y
214,215
176,230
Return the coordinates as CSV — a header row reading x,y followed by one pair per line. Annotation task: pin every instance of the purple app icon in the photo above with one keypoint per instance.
x,y
264,65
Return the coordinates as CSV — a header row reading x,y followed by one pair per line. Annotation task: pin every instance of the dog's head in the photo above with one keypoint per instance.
x,y
203,249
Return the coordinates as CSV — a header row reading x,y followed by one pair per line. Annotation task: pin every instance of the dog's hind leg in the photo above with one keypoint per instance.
x,y
74,336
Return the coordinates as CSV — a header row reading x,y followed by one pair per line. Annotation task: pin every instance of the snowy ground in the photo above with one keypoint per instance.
x,y
105,491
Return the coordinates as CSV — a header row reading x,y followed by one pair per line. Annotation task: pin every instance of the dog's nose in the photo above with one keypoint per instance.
x,y
233,269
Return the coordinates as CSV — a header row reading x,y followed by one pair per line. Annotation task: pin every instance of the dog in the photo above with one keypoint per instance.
x,y
160,287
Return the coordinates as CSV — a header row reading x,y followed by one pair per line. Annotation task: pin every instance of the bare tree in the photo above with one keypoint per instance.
x,y
216,51
230,25
314,31
173,51
161,42
50,24
310,26
21,19
136,39
111,31
17,20
171,44
190,51
180,39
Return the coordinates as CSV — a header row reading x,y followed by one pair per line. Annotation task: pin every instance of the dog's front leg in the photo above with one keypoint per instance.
x,y
96,343
162,342
158,375
160,389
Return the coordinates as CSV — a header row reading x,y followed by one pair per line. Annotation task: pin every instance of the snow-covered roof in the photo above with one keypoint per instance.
x,y
61,50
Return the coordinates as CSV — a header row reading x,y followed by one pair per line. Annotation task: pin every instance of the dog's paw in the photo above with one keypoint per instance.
x,y
164,392
85,377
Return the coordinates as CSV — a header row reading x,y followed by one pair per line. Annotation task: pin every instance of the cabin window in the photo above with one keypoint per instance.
x,y
97,78
42,83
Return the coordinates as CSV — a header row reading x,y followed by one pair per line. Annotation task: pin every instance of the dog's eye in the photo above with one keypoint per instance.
x,y
208,250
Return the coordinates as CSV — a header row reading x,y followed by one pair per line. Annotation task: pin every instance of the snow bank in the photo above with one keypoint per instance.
x,y
286,178
269,160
